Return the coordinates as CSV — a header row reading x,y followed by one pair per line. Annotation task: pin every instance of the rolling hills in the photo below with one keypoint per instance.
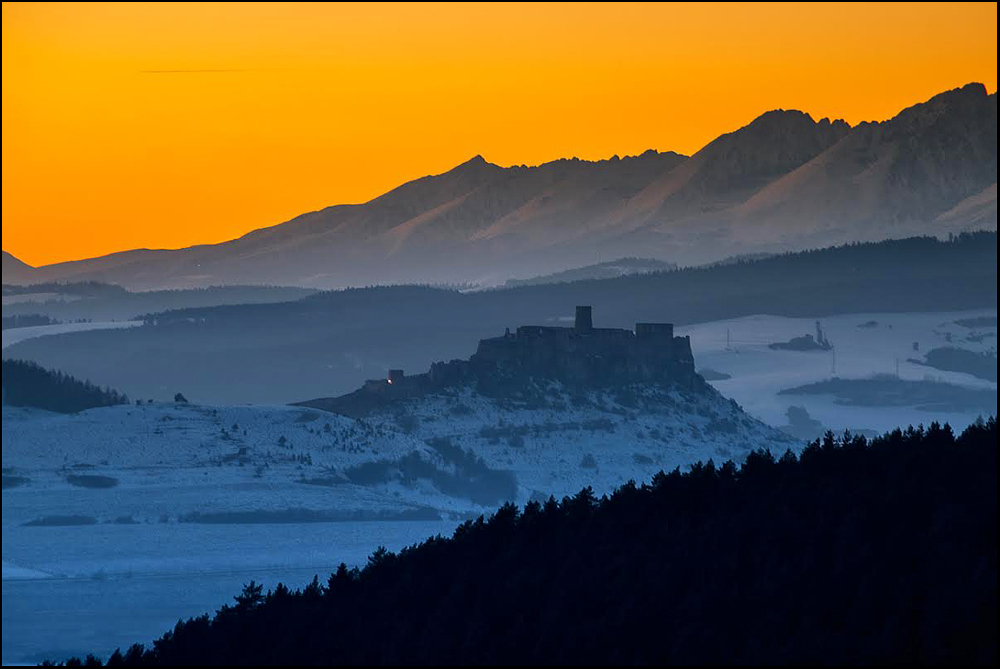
x,y
331,342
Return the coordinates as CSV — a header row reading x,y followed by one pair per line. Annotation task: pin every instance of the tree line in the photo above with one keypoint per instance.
x,y
27,321
280,352
857,551
28,384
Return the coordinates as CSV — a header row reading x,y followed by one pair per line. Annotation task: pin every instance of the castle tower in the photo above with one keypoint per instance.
x,y
584,319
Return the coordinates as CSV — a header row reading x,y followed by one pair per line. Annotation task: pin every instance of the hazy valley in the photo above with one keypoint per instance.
x,y
577,379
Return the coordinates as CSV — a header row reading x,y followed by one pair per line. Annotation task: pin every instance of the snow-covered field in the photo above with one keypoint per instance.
x,y
12,336
132,568
107,585
109,507
106,532
759,373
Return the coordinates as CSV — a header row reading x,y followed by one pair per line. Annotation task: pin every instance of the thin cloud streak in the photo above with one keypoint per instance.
x,y
206,71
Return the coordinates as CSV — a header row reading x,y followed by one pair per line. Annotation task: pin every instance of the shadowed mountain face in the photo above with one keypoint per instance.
x,y
740,163
782,182
933,167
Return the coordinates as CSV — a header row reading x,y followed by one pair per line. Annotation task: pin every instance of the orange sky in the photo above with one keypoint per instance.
x,y
162,126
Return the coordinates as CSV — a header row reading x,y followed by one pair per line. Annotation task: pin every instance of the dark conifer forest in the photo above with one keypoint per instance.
x,y
27,384
856,551
27,321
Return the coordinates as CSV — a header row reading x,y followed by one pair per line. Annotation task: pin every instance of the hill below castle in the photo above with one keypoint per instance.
x,y
551,402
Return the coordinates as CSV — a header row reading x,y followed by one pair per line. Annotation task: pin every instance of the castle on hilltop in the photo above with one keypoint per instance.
x,y
577,355
589,355
511,365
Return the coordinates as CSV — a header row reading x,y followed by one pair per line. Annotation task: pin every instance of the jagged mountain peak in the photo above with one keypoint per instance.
x,y
731,168
886,177
973,90
476,162
779,118
958,106
787,127
781,182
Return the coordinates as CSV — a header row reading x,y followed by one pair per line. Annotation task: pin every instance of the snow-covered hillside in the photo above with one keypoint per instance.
x,y
575,438
178,505
864,344
175,506
14,335
239,464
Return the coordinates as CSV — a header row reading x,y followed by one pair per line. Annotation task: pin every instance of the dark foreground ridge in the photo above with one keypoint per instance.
x,y
858,551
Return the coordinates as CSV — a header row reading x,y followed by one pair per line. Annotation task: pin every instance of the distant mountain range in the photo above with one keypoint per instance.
x,y
603,270
783,182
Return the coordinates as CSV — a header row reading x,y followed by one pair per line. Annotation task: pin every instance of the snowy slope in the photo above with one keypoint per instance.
x,y
171,460
14,335
167,461
129,576
864,344
124,561
600,438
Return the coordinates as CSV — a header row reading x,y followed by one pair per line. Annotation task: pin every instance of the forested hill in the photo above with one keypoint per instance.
x,y
915,274
330,343
26,384
857,552
102,302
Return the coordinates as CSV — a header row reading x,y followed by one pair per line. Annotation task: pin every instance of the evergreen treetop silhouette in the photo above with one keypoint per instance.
x,y
857,551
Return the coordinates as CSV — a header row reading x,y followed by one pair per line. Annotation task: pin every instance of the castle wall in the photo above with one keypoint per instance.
x,y
593,356
587,357
600,355
654,330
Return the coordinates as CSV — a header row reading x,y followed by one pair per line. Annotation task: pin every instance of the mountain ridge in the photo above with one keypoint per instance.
x,y
782,182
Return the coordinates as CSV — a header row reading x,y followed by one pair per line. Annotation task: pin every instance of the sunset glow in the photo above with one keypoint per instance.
x,y
161,126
